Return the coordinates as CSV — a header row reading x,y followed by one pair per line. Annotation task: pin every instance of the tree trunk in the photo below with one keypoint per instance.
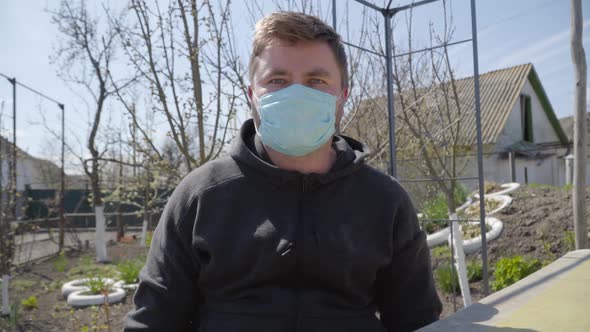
x,y
579,190
101,245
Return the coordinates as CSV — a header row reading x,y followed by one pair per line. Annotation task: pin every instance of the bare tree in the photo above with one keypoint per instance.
x,y
85,56
187,57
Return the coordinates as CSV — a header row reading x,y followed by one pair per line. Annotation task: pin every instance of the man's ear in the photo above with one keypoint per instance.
x,y
340,108
253,112
250,93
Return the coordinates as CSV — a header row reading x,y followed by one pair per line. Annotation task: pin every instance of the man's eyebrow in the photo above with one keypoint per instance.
x,y
275,72
318,72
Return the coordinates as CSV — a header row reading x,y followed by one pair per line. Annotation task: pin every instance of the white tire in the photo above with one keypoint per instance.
x,y
122,284
438,238
506,189
78,300
504,201
465,205
78,285
474,244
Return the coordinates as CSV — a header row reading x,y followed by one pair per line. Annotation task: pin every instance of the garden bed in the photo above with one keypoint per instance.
x,y
50,311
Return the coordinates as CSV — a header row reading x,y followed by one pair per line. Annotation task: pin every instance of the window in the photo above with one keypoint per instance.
x,y
526,116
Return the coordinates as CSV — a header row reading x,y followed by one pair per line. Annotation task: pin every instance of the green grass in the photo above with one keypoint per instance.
x,y
60,263
442,252
448,279
30,303
87,266
570,240
97,285
474,271
23,284
129,270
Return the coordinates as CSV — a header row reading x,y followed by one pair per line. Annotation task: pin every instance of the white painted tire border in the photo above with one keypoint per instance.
x,y
78,285
77,300
507,188
122,284
505,200
472,245
440,237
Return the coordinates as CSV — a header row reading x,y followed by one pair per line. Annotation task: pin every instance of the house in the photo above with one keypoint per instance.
x,y
517,120
31,173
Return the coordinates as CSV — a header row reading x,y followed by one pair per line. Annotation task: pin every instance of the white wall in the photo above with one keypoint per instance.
x,y
27,173
543,131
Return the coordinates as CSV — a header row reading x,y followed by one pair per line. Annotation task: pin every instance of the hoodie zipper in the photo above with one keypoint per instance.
x,y
300,235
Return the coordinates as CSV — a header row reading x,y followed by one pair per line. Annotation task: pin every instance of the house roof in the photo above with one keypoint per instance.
x,y
499,91
567,123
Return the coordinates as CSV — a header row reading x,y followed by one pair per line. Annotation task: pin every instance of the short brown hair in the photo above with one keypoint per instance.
x,y
294,27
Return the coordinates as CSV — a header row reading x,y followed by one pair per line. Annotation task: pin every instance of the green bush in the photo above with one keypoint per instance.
x,y
129,270
570,240
512,269
30,303
447,278
60,263
460,194
437,208
442,252
474,271
148,238
97,285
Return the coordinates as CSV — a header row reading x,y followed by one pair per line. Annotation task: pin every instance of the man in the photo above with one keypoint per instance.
x,y
292,231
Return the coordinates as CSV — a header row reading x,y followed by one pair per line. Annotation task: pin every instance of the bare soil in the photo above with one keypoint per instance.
x,y
44,280
537,224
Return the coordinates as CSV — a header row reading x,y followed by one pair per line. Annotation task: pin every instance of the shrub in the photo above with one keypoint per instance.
x,y
148,239
474,271
129,270
437,208
61,262
570,240
97,285
447,278
512,269
29,303
442,252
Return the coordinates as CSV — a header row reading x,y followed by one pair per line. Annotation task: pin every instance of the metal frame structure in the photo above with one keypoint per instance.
x,y
14,83
388,13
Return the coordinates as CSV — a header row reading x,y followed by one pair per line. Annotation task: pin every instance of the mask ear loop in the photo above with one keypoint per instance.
x,y
255,101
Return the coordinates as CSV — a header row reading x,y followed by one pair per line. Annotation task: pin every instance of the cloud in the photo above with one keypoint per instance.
x,y
540,50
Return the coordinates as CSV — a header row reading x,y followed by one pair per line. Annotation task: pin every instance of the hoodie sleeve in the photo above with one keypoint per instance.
x,y
166,299
405,292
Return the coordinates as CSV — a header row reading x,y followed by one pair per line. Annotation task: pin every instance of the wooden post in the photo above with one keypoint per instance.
x,y
511,158
579,190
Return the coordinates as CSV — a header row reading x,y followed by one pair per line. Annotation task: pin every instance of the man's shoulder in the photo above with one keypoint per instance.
x,y
210,174
205,177
375,178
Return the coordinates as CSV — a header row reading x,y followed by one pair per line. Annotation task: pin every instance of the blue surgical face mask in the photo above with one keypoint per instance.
x,y
296,120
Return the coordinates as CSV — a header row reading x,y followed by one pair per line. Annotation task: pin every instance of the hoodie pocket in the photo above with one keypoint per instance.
x,y
215,321
364,323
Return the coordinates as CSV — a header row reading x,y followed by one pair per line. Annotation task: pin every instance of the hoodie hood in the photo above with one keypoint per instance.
x,y
248,149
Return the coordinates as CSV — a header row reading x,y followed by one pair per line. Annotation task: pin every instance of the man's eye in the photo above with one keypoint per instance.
x,y
277,81
316,81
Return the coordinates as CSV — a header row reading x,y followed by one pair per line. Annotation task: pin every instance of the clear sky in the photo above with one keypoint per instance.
x,y
511,32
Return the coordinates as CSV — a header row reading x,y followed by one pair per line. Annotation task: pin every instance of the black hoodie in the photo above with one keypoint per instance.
x,y
243,246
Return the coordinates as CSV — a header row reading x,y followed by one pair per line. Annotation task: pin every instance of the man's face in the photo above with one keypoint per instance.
x,y
311,64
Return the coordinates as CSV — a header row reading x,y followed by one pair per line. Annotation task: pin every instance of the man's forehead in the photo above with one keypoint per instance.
x,y
283,54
